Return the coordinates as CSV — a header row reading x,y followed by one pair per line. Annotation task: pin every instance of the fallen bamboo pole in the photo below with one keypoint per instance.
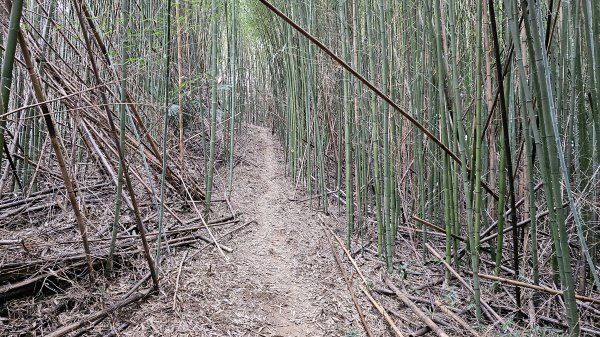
x,y
99,315
434,327
376,304
484,304
379,307
55,142
346,279
456,318
540,288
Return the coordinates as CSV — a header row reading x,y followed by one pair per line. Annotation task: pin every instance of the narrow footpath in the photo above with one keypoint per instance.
x,y
281,280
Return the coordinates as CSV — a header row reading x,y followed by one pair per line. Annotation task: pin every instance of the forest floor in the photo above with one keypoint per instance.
x,y
280,280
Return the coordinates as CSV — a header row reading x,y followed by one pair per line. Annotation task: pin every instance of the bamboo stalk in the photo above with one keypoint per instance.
x,y
434,327
55,142
456,318
123,166
492,314
537,287
8,60
381,309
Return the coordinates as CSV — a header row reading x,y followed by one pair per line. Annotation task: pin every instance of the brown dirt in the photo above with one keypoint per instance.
x,y
281,279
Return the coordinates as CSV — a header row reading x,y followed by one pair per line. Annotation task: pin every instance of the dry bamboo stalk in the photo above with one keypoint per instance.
x,y
6,289
540,288
484,304
346,279
170,211
349,256
177,280
434,327
120,152
54,140
559,323
98,315
457,318
437,228
154,159
380,308
364,280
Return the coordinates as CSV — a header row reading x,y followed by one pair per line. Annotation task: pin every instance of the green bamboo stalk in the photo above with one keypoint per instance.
x,y
347,128
8,61
509,161
479,159
180,83
502,173
387,181
375,146
213,109
165,131
591,14
233,76
551,173
448,205
552,130
529,149
122,111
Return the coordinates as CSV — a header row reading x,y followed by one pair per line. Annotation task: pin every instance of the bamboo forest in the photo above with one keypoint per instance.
x,y
299,168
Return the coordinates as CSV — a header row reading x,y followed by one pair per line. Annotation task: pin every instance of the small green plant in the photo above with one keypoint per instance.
x,y
351,333
450,296
402,270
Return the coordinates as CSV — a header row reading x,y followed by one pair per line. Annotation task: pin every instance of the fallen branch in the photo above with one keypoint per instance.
x,y
346,279
434,327
379,307
349,256
177,280
457,318
99,315
564,325
376,304
487,308
533,286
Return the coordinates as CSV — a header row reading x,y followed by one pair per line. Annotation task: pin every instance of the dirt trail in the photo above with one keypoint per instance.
x,y
281,280
268,250
286,250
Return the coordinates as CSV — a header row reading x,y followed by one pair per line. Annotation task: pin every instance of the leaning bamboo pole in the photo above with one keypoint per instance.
x,y
123,165
55,142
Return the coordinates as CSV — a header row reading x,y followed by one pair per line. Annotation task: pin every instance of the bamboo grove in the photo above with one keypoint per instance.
x,y
102,93
463,127
475,119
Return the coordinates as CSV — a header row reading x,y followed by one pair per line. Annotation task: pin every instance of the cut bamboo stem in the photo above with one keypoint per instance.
x,y
540,288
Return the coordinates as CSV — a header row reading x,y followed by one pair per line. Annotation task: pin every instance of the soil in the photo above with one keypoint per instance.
x,y
280,280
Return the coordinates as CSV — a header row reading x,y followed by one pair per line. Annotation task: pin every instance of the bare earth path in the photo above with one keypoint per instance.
x,y
287,251
281,279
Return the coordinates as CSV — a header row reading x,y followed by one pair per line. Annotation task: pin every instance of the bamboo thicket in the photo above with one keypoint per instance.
x,y
477,118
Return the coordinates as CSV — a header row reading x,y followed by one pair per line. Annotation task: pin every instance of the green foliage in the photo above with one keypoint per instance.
x,y
352,332
450,295
402,270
